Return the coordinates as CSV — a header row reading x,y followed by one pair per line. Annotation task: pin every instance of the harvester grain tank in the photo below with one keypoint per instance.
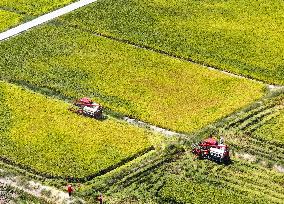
x,y
85,106
210,149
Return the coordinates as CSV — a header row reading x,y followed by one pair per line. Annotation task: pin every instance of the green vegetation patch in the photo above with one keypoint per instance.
x,y
273,129
146,85
8,19
14,12
33,7
259,124
244,37
188,180
45,136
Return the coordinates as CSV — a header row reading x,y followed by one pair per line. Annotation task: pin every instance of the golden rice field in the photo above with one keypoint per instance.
x,y
155,88
41,133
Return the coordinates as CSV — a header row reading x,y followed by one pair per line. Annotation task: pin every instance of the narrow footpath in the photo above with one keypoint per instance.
x,y
36,189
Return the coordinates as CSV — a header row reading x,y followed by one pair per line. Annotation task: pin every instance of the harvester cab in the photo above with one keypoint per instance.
x,y
85,106
210,149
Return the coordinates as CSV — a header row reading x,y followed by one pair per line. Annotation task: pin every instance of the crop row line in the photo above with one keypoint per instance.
x,y
246,116
76,179
262,108
13,10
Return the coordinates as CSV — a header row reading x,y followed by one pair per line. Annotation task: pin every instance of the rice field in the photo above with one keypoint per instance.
x,y
243,37
14,12
155,88
8,19
33,7
185,179
97,52
273,129
40,133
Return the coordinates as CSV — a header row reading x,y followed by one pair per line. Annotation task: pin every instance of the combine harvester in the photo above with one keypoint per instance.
x,y
210,149
85,106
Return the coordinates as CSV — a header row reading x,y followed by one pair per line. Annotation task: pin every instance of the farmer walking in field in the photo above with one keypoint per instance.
x,y
70,189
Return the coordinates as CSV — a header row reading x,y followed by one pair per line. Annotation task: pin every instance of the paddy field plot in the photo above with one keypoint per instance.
x,y
33,7
238,183
190,180
14,12
40,133
243,37
155,88
8,19
264,120
273,129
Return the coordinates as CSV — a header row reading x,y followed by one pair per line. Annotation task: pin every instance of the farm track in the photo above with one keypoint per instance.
x,y
44,18
38,190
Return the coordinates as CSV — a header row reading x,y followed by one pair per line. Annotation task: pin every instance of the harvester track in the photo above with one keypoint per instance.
x,y
245,123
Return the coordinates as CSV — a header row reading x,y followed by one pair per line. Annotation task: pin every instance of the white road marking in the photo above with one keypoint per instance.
x,y
44,18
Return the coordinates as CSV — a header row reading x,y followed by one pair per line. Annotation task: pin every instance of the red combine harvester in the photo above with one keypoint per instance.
x,y
210,149
85,106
